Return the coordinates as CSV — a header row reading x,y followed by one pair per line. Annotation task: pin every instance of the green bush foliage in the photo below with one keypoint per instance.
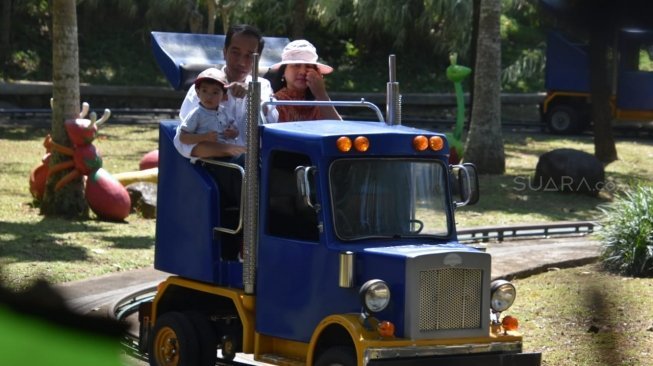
x,y
627,233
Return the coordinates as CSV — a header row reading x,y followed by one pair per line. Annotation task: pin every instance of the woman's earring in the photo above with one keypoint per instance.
x,y
283,80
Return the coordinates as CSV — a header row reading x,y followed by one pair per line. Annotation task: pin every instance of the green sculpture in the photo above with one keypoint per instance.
x,y
456,74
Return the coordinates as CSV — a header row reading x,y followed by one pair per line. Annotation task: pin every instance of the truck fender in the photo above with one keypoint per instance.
x,y
331,331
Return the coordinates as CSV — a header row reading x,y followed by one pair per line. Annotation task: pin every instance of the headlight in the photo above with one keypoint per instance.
x,y
502,295
375,295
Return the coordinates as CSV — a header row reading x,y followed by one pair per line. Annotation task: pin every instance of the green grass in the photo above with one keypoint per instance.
x,y
556,309
59,250
33,246
509,198
586,317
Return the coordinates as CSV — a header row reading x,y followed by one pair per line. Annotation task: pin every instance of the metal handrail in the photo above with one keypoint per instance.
x,y
500,233
324,103
242,194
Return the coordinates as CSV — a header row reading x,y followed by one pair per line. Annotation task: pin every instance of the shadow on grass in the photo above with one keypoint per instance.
x,y
513,194
608,340
130,242
53,239
23,132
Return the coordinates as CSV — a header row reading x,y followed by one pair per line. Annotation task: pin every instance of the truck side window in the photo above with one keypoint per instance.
x,y
286,214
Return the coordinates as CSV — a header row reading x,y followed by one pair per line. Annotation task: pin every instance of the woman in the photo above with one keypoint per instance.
x,y
301,78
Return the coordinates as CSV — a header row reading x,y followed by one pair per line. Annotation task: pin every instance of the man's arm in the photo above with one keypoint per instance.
x,y
272,114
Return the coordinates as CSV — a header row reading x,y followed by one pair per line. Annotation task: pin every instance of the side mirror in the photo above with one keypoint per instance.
x,y
467,184
304,177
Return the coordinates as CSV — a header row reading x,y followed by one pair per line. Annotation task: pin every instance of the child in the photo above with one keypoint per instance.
x,y
206,132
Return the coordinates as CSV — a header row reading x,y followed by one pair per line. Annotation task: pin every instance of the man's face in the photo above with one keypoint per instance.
x,y
240,56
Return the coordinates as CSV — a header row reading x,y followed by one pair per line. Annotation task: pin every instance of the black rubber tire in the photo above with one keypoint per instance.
x,y
563,119
337,356
208,339
173,341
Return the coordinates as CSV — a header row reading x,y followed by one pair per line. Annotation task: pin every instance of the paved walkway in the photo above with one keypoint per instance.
x,y
511,258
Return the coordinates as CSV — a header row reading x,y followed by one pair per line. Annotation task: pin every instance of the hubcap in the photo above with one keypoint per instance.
x,y
166,347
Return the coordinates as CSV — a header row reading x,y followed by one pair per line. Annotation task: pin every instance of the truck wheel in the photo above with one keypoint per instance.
x,y
207,338
174,341
337,356
562,120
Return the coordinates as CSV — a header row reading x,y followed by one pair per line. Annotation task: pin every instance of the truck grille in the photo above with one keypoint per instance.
x,y
450,298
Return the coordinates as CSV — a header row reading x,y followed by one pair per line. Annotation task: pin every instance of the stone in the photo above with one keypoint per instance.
x,y
569,170
143,197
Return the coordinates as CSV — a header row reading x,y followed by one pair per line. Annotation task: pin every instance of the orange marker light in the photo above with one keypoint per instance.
x,y
361,143
386,329
420,143
343,143
510,323
436,143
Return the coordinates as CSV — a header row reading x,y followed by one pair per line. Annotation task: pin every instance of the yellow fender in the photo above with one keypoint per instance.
x,y
146,175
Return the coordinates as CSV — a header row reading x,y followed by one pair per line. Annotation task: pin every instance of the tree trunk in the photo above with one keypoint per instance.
x,y
210,4
604,145
69,201
299,19
484,146
5,30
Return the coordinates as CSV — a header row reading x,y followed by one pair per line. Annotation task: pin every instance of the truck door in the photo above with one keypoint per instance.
x,y
293,269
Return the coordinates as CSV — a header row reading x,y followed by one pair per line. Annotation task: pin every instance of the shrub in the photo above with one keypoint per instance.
x,y
627,233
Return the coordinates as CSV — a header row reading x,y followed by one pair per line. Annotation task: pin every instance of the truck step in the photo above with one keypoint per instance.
x,y
280,360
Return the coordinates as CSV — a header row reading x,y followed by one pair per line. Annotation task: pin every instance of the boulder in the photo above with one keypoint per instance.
x,y
143,197
569,170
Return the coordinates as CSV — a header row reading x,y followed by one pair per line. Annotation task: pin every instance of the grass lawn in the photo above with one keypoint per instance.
x,y
577,316
60,250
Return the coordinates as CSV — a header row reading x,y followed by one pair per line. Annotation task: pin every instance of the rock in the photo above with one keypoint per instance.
x,y
569,170
143,196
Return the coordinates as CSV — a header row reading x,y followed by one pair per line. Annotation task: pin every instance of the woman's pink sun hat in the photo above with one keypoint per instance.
x,y
301,51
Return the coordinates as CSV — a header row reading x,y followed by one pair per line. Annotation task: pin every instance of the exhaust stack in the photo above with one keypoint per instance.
x,y
251,181
393,99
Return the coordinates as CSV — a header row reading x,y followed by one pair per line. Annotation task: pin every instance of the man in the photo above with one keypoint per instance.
x,y
241,42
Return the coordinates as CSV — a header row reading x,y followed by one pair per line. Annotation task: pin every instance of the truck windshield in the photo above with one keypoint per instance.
x,y
388,198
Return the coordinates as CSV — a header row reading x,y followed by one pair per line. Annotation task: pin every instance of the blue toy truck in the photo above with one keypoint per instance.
x,y
349,254
566,108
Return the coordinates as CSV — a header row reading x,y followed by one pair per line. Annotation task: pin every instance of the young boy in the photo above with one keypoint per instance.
x,y
206,132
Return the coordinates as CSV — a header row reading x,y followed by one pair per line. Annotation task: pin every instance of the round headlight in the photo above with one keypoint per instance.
x,y
502,294
375,295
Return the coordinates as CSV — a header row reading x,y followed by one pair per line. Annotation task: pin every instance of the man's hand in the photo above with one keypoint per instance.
x,y
234,150
238,90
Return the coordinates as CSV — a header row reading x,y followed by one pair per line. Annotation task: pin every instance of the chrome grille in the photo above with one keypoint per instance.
x,y
450,298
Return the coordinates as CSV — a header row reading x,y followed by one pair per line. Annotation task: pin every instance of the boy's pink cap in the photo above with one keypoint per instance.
x,y
213,74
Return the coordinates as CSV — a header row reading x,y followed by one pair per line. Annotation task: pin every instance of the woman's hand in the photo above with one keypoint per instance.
x,y
315,82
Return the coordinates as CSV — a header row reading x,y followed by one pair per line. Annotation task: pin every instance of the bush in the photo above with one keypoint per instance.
x,y
627,233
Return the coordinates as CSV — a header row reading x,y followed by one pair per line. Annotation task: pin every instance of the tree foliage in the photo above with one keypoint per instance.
x,y
355,36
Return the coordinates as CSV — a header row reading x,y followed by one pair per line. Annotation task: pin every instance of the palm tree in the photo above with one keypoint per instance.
x,y
484,146
69,201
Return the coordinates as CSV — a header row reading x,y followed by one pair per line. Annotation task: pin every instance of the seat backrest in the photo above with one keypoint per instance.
x,y
187,212
182,56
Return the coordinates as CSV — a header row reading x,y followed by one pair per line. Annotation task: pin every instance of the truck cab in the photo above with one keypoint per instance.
x,y
566,108
352,256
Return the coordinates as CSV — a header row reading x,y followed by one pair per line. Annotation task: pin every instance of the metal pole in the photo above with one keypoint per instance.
x,y
251,182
